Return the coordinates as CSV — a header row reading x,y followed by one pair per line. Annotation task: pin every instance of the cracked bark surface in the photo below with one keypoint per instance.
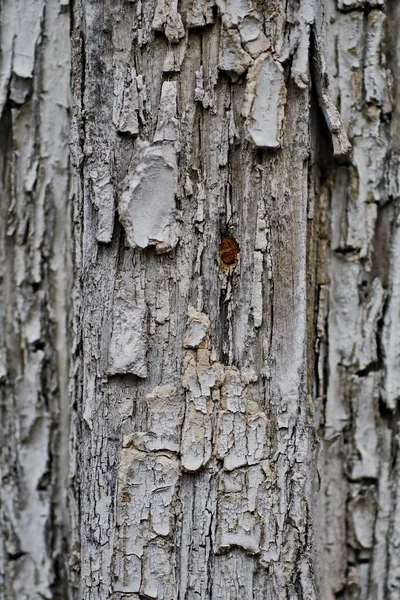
x,y
221,284
36,273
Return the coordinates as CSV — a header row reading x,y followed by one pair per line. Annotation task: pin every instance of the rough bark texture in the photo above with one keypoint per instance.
x,y
197,453
235,310
35,290
359,345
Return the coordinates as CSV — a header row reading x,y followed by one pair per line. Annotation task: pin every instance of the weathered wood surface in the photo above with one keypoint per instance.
x,y
358,522
235,314
35,282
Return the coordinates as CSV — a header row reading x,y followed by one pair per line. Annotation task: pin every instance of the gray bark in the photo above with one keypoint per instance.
x,y
35,292
221,284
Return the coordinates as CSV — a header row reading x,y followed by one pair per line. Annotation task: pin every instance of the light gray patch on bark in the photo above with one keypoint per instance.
x,y
127,351
198,13
165,415
168,19
232,57
103,199
147,204
266,98
146,489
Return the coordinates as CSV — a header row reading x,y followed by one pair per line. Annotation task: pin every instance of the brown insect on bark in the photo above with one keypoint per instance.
x,y
228,250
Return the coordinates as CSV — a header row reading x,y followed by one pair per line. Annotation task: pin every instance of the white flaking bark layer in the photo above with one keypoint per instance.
x,y
147,203
35,289
196,471
266,92
358,497
149,469
211,492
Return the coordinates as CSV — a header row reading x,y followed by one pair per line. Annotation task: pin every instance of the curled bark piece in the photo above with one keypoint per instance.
x,y
341,144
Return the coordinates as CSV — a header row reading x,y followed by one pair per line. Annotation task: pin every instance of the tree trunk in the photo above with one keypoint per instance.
x,y
35,267
222,286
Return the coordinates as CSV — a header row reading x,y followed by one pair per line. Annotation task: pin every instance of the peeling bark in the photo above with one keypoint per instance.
x,y
35,288
211,503
200,336
359,420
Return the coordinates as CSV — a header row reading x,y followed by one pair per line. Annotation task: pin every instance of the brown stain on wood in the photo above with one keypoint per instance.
x,y
228,250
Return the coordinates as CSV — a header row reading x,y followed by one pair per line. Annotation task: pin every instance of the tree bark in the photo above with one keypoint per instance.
x,y
36,269
221,283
